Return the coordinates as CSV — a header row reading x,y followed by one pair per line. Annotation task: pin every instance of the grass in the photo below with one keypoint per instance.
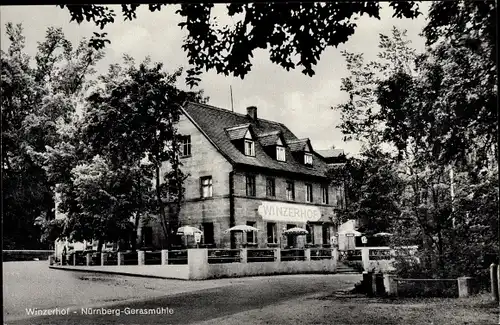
x,y
343,308
358,309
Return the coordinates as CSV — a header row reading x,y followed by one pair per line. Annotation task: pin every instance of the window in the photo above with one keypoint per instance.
x,y
206,186
291,239
249,148
280,153
250,185
324,194
147,236
270,187
309,193
208,232
326,234
185,146
310,235
272,238
251,238
308,159
290,191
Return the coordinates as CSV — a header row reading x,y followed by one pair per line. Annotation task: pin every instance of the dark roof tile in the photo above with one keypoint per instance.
x,y
237,132
214,122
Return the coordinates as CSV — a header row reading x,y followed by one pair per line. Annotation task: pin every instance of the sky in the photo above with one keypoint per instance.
x,y
301,102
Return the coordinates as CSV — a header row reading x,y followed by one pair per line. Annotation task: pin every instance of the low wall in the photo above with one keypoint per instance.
x,y
25,255
270,268
198,266
157,271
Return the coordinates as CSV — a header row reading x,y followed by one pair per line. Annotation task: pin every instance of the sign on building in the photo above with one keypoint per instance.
x,y
286,212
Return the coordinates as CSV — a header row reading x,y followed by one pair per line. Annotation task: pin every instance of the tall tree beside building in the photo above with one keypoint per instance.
x,y
38,97
373,189
438,114
130,119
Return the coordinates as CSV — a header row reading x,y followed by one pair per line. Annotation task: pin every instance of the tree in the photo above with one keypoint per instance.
x,y
295,33
443,100
37,98
130,119
438,112
373,187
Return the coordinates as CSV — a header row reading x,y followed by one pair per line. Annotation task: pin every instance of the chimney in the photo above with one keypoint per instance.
x,y
252,112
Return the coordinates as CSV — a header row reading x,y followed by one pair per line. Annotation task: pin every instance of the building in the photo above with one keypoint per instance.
x,y
247,170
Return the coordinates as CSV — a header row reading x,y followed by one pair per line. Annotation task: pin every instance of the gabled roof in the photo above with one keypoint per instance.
x,y
300,145
270,138
214,123
238,132
331,153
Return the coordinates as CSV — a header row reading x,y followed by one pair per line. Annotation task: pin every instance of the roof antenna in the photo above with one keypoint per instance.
x,y
231,90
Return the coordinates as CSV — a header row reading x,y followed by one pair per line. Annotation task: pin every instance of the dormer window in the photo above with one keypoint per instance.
x,y
249,144
280,153
249,148
308,159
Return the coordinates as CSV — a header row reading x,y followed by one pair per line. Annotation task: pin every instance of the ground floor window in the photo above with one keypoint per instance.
x,y
208,232
291,239
310,235
271,233
326,234
251,238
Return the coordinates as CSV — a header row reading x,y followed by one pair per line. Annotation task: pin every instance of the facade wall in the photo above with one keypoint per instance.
x,y
205,160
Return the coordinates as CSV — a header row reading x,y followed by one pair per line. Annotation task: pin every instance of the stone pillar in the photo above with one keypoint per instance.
x,y
335,256
164,257
494,281
198,264
277,254
498,279
141,258
374,284
465,286
390,285
88,259
335,253
243,255
104,258
119,258
365,257
368,283
307,254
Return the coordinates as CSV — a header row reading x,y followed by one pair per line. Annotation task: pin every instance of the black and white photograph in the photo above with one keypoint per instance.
x,y
250,163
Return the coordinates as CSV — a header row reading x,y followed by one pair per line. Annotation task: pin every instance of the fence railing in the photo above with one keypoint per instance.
x,y
111,258
217,256
321,254
293,255
426,287
214,256
260,255
177,257
25,255
152,258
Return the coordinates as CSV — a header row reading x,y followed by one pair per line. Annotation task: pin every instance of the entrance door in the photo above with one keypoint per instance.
x,y
291,239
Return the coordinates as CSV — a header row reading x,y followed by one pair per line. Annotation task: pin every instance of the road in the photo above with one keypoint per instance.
x,y
183,302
